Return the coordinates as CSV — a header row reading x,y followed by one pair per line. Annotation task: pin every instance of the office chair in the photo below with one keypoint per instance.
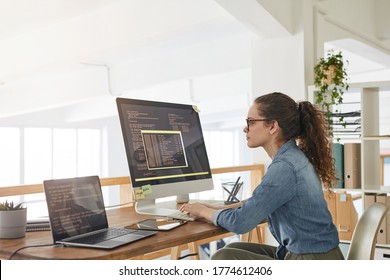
x,y
363,240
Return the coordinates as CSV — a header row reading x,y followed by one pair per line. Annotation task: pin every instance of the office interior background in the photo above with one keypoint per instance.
x,y
63,63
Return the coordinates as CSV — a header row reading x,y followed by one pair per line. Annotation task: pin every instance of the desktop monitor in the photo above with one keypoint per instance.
x,y
165,151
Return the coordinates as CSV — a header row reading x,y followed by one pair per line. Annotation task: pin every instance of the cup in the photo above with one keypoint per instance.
x,y
232,192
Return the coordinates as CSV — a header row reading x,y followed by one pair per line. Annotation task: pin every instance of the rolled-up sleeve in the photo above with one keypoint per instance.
x,y
266,198
215,215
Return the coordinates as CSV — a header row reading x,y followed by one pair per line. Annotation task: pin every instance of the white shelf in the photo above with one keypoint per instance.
x,y
366,98
378,137
377,189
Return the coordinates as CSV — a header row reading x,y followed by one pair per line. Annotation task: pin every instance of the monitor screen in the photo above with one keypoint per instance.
x,y
165,149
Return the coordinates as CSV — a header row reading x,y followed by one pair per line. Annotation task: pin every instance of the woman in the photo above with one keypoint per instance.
x,y
290,196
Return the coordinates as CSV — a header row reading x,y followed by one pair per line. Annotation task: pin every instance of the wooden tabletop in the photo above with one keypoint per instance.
x,y
190,232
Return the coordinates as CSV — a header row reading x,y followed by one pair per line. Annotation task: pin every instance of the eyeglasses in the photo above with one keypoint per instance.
x,y
250,122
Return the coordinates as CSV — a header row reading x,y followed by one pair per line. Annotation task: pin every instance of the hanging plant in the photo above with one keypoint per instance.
x,y
331,81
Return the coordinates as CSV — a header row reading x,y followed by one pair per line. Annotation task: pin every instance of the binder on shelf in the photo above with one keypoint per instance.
x,y
352,166
346,215
338,156
343,213
383,236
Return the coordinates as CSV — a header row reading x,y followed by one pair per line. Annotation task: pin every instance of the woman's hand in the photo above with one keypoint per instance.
x,y
201,210
198,210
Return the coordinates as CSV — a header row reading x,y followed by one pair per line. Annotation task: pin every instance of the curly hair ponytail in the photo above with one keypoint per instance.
x,y
314,142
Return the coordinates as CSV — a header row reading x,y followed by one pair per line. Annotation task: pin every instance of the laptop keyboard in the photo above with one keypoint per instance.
x,y
109,233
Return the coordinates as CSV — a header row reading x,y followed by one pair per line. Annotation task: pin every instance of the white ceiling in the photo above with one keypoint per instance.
x,y
136,28
59,32
143,43
22,16
44,40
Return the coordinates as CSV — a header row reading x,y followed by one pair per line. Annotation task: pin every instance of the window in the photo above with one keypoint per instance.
x,y
60,153
88,152
31,155
9,156
217,143
64,153
37,155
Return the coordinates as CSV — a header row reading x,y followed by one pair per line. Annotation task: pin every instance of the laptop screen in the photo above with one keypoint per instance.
x,y
75,206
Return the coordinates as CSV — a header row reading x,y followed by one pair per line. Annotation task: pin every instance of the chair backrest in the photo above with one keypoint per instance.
x,y
363,240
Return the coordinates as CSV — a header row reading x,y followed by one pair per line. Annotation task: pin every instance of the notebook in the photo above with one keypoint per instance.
x,y
38,224
78,217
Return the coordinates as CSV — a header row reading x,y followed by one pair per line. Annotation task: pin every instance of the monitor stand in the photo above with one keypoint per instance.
x,y
183,198
149,207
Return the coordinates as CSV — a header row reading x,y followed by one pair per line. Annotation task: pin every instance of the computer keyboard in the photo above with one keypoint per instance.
x,y
178,215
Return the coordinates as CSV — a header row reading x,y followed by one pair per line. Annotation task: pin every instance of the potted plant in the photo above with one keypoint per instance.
x,y
331,80
13,220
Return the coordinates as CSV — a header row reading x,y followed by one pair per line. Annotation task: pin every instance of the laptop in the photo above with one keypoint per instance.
x,y
78,217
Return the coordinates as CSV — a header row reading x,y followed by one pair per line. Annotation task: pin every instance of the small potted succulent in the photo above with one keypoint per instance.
x,y
13,220
331,80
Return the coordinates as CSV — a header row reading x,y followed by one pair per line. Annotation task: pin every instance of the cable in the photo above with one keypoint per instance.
x,y
188,255
119,205
30,246
108,69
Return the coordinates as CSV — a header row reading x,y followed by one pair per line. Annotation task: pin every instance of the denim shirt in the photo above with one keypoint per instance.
x,y
290,195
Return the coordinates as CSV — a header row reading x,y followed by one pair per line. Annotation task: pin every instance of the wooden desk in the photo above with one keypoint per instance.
x,y
190,232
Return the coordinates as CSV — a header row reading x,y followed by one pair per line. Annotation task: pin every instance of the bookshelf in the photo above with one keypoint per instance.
x,y
369,128
366,98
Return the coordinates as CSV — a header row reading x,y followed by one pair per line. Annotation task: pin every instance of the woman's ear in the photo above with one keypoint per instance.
x,y
274,127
